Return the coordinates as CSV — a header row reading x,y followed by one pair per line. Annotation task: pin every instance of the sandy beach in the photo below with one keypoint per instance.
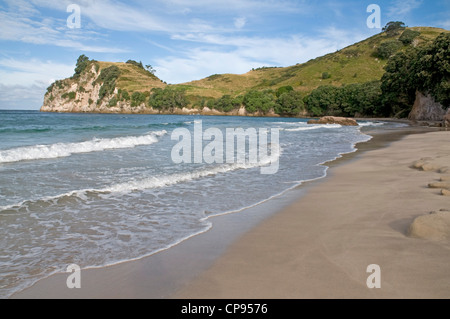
x,y
318,246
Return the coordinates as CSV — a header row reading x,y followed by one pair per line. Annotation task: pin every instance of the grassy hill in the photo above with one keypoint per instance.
x,y
128,87
357,63
133,78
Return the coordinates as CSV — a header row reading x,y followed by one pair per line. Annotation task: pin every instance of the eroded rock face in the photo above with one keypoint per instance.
x,y
447,120
335,120
426,109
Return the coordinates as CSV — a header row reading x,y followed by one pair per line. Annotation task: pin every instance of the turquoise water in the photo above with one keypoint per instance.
x,y
95,190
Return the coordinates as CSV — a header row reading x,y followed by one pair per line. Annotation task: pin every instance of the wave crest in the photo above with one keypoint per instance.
x,y
37,152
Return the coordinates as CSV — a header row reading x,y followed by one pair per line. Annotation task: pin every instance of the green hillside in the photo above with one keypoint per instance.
x,y
357,63
369,78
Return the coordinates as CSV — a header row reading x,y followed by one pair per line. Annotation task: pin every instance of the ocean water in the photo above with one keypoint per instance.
x,y
95,190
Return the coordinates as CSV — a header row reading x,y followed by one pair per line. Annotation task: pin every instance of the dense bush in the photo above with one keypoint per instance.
x,y
138,98
289,104
168,98
324,100
284,89
408,36
355,99
113,102
108,79
425,69
388,48
258,101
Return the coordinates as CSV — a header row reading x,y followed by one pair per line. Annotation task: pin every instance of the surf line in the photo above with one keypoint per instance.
x,y
231,150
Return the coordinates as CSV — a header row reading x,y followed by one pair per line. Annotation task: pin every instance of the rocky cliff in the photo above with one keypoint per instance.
x,y
426,109
102,88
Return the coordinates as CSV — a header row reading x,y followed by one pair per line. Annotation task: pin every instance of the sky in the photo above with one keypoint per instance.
x,y
184,40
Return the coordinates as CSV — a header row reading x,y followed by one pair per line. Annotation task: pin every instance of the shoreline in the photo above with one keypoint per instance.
x,y
162,271
321,246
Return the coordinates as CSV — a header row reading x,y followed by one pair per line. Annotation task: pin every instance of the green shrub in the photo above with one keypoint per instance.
x,y
408,36
388,49
289,104
258,101
108,79
113,102
69,95
137,98
168,98
138,64
326,76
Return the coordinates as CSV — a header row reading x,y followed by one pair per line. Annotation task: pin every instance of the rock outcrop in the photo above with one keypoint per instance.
x,y
335,120
434,226
426,109
446,122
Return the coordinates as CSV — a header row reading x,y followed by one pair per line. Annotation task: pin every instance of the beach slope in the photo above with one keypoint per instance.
x,y
361,215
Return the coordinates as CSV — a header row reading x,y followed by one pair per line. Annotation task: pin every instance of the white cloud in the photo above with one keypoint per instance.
x,y
401,8
33,71
21,97
445,24
29,27
252,6
23,83
239,23
229,54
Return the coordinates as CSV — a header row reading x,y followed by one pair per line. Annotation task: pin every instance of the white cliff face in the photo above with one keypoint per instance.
x,y
81,95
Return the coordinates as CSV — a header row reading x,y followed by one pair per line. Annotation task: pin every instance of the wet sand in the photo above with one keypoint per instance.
x,y
313,242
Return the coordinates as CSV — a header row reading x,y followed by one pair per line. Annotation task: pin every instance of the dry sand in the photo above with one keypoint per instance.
x,y
318,247
321,246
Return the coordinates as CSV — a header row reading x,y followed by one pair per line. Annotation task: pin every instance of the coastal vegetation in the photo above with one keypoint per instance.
x,y
377,77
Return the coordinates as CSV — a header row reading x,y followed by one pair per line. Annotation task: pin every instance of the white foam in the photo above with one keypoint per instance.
x,y
168,180
370,124
313,127
151,182
37,152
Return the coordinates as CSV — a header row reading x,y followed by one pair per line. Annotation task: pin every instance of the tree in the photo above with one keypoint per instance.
x,y
398,84
150,69
137,98
167,98
289,104
82,63
258,101
324,100
284,89
393,28
424,69
362,99
433,69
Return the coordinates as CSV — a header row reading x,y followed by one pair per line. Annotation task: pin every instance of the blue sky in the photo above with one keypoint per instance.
x,y
183,40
